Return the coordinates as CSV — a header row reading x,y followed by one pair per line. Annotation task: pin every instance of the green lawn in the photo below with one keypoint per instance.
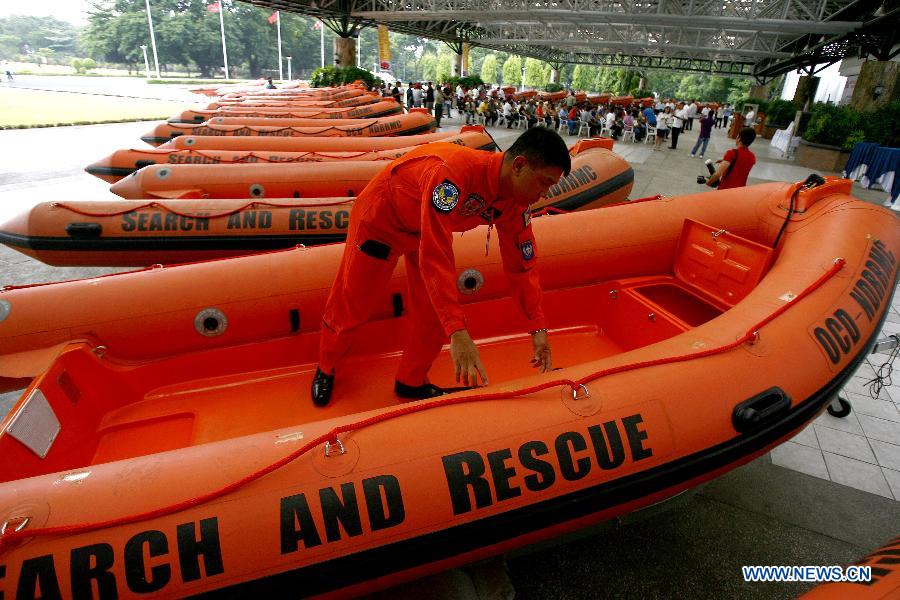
x,y
24,108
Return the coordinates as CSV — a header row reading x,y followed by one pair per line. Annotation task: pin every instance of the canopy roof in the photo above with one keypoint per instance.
x,y
761,38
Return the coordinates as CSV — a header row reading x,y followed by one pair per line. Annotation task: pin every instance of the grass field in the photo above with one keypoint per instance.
x,y
27,108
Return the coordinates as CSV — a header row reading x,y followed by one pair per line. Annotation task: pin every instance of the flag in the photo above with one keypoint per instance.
x,y
465,59
318,25
384,48
214,7
273,17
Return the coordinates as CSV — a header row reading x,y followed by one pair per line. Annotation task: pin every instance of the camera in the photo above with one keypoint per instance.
x,y
701,179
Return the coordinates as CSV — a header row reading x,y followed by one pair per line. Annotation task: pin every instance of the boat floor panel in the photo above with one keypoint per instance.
x,y
247,403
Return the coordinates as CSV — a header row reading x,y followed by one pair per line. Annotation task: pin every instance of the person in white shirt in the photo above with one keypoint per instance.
x,y
681,115
691,115
659,107
509,113
705,111
720,116
610,119
418,95
750,118
662,126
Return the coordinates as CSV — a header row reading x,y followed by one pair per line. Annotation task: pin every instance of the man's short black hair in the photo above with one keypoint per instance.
x,y
747,136
542,147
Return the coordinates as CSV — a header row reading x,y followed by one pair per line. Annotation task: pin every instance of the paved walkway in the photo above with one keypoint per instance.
x,y
824,498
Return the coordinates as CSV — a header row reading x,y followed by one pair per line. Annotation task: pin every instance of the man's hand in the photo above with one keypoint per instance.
x,y
542,356
466,360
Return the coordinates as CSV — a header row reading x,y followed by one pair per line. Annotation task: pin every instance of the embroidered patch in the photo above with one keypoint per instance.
x,y
527,249
473,204
445,197
526,217
491,214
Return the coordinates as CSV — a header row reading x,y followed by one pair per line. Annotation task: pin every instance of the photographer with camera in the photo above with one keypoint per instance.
x,y
734,168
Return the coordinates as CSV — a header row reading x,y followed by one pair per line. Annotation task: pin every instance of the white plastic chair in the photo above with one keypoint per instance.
x,y
651,134
583,126
628,132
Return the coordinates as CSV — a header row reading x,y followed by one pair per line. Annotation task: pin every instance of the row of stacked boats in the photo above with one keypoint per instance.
x,y
165,445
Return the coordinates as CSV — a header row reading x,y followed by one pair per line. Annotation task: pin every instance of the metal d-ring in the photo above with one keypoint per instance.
x,y
340,447
716,234
19,527
582,387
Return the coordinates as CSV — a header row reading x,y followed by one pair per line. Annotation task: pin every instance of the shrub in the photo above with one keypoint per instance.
x,y
831,125
329,75
779,112
553,87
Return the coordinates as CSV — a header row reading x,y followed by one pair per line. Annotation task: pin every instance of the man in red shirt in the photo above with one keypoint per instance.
x,y
411,209
734,168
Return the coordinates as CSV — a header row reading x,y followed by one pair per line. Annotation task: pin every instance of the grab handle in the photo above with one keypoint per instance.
x,y
760,410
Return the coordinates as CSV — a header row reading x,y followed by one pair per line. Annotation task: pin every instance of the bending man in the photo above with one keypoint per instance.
x,y
411,209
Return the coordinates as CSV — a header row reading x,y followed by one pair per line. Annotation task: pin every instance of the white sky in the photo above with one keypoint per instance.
x,y
73,11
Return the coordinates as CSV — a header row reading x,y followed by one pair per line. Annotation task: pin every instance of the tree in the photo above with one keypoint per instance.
x,y
535,73
490,69
584,77
512,71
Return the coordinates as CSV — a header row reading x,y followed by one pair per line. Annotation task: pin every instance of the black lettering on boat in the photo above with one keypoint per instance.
x,y
38,573
137,577
838,335
190,549
90,566
128,221
342,219
340,513
874,283
467,471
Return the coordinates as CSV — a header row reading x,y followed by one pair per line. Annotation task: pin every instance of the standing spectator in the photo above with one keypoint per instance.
x,y
706,124
750,118
734,168
720,115
691,114
418,96
409,96
395,93
429,96
570,100
438,104
677,123
729,110
659,106
662,126
448,99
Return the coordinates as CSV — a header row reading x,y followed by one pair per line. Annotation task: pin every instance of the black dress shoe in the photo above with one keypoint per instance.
x,y
322,386
418,392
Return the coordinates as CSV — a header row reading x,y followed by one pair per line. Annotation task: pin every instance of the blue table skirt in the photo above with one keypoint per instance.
x,y
873,164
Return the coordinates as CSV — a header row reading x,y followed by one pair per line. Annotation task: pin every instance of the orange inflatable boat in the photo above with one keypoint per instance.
x,y
287,102
596,173
139,233
368,111
874,577
311,144
413,122
125,162
170,450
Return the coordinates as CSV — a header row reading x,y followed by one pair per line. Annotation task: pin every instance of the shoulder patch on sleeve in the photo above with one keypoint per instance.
x,y
445,196
527,250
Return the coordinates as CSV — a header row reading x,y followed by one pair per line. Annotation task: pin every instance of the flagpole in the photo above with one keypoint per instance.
x,y
222,27
280,60
152,39
322,41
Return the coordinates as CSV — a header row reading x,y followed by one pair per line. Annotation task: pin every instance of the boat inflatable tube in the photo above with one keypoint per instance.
x,y
384,108
312,144
647,314
598,176
140,232
122,163
881,566
413,122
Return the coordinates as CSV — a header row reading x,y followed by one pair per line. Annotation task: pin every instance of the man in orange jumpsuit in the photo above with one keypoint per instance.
x,y
411,209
